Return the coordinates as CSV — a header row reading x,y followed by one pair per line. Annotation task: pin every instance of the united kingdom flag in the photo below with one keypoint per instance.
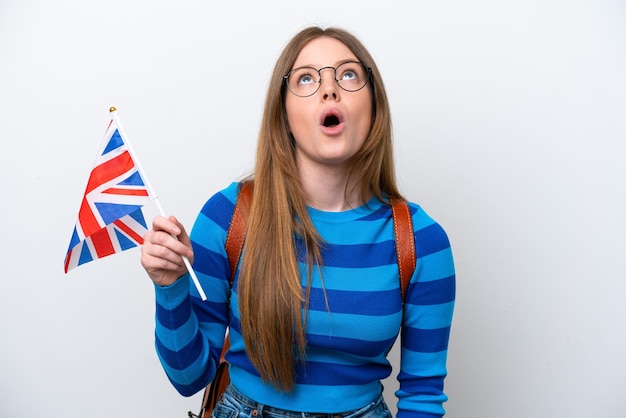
x,y
110,219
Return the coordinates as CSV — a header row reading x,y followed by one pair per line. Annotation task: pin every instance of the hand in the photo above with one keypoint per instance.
x,y
163,248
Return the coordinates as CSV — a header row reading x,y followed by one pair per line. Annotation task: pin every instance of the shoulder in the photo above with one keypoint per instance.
x,y
220,206
224,200
227,196
430,235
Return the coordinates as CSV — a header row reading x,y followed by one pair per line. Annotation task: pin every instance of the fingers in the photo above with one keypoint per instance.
x,y
163,248
169,225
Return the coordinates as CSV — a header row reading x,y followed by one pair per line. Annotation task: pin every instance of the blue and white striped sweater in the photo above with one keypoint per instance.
x,y
346,344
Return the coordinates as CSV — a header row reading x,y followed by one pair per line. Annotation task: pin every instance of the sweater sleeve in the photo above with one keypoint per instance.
x,y
189,332
426,325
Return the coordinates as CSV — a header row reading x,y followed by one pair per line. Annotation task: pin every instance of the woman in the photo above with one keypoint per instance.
x,y
316,305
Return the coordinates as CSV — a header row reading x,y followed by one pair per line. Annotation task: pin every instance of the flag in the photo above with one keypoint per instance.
x,y
110,219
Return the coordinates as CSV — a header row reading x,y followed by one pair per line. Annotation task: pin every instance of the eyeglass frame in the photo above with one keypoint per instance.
x,y
328,67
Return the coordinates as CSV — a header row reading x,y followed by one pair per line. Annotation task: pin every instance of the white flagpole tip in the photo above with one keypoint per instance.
x,y
112,109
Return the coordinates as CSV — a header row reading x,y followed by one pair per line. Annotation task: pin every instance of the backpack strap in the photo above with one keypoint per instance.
x,y
405,243
235,239
237,229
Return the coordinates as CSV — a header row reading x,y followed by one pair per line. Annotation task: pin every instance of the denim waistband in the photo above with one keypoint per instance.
x,y
257,409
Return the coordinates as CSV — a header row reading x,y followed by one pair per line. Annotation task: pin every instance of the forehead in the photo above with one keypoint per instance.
x,y
324,51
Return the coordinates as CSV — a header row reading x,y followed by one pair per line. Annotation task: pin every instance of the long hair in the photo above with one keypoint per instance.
x,y
272,304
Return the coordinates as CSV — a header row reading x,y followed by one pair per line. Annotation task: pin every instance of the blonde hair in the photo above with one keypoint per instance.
x,y
270,295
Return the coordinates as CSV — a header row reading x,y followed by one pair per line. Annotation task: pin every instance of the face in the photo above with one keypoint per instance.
x,y
330,126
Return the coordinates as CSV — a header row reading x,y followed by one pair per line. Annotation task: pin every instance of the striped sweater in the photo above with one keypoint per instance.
x,y
350,329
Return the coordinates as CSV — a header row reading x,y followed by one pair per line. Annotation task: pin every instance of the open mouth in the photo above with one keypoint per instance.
x,y
330,121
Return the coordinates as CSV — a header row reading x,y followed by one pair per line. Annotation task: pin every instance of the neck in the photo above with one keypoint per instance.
x,y
326,188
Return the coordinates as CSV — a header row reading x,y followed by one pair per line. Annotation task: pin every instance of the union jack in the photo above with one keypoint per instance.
x,y
110,219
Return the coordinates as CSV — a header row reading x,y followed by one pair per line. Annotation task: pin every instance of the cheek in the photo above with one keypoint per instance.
x,y
297,117
364,106
366,119
291,113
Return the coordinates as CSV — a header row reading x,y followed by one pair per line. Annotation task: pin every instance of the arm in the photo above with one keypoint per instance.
x,y
190,332
426,323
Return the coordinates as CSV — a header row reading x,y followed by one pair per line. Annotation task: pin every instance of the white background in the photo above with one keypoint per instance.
x,y
510,129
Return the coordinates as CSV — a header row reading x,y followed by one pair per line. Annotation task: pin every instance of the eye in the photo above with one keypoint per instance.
x,y
305,76
349,72
349,75
305,79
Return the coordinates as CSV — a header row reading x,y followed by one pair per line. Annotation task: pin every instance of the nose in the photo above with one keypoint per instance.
x,y
329,93
329,90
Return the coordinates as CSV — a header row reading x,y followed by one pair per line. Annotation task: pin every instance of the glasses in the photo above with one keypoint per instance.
x,y
306,81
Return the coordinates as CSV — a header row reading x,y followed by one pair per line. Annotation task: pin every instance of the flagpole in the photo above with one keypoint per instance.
x,y
153,195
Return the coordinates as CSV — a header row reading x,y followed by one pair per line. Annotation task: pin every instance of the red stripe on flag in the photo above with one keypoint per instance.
x,y
127,192
102,243
68,257
129,231
109,170
88,222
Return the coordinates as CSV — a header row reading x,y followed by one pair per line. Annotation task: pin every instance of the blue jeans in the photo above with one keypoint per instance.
x,y
234,404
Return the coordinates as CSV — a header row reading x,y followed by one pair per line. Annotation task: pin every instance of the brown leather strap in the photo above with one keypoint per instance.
x,y
235,239
405,243
237,230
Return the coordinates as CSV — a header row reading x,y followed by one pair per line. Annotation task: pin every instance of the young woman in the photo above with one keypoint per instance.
x,y
316,304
